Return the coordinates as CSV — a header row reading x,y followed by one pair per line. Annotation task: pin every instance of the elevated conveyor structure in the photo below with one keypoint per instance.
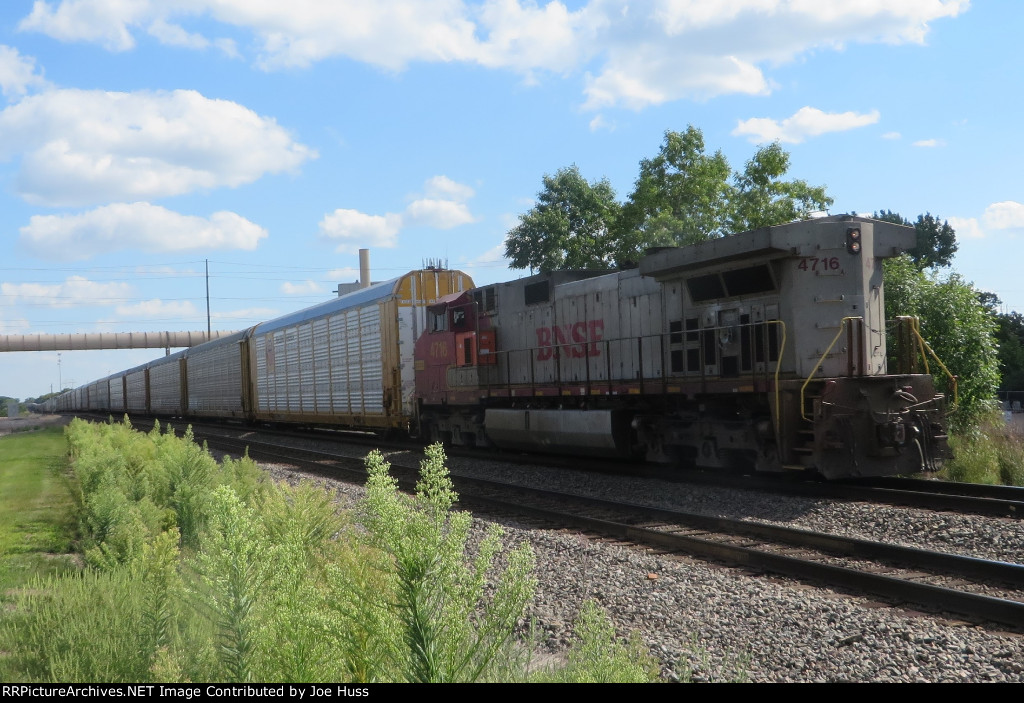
x,y
105,340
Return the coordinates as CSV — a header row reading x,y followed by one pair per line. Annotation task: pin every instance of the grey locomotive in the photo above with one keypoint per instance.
x,y
764,349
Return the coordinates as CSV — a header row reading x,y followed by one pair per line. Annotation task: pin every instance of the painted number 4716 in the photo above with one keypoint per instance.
x,y
813,263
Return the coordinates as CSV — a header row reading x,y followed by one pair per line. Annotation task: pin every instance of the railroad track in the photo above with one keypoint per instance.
x,y
974,588
967,498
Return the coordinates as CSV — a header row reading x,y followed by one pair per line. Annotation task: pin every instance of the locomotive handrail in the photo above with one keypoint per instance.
x,y
810,377
915,326
778,368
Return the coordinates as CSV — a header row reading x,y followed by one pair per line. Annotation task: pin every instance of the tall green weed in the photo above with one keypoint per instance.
x,y
207,572
989,452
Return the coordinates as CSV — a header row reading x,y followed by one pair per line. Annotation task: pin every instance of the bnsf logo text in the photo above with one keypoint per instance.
x,y
576,340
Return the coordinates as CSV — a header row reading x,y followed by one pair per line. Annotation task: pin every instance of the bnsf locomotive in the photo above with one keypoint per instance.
x,y
766,348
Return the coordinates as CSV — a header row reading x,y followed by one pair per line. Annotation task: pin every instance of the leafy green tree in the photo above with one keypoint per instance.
x,y
568,228
955,323
936,243
1010,335
683,195
761,199
680,197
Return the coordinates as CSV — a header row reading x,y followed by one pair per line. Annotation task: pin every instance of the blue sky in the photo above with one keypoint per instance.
x,y
140,138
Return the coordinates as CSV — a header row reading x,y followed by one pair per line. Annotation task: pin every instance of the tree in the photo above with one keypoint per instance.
x,y
936,243
568,228
1010,335
956,324
681,197
761,199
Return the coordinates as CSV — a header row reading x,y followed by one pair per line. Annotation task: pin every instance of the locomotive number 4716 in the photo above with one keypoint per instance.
x,y
814,263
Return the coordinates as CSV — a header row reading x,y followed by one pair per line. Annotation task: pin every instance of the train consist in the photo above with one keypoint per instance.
x,y
763,349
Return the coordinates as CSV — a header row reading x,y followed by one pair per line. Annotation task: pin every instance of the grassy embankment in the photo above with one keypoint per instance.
x,y
37,510
195,570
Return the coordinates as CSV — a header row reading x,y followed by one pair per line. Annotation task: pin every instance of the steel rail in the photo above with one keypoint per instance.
x,y
1004,611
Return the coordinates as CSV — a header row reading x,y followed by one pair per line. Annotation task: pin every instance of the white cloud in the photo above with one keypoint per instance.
x,y
157,309
75,291
599,122
444,187
344,275
355,230
17,73
493,258
139,226
104,22
443,206
805,122
966,227
633,55
892,135
14,326
1007,214
439,214
303,288
84,147
249,315
929,143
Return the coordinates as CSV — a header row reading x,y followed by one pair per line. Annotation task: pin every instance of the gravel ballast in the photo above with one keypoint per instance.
x,y
716,623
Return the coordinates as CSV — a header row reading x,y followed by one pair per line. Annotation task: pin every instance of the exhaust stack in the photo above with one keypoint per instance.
x,y
364,268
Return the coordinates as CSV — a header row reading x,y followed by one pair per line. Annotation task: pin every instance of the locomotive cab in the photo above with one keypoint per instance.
x,y
824,395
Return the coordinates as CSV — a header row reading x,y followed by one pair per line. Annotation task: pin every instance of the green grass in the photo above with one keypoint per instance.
x,y
195,570
37,515
990,452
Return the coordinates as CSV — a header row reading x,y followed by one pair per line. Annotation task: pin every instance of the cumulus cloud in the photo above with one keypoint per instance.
x,y
493,258
75,291
444,187
966,227
632,55
354,230
157,309
804,123
442,207
81,147
929,143
17,73
439,214
140,226
344,274
891,135
1007,214
302,288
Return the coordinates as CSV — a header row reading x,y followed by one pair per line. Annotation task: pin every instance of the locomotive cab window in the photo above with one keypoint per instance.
x,y
748,281
537,293
704,288
485,299
438,321
458,318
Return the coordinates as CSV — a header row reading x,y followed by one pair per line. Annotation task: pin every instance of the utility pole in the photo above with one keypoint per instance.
x,y
208,300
